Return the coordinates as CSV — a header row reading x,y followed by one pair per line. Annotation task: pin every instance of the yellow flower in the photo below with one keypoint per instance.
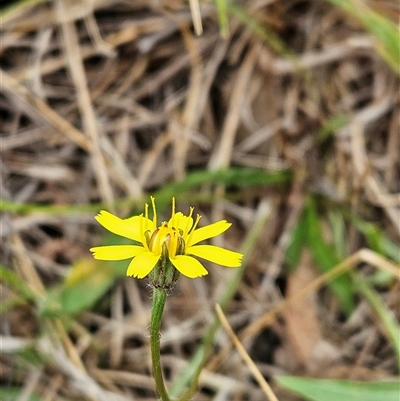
x,y
177,238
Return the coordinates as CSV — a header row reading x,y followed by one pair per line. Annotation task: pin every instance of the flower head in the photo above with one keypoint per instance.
x,y
175,240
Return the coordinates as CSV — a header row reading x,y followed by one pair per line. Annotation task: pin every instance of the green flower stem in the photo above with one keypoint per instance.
x,y
159,298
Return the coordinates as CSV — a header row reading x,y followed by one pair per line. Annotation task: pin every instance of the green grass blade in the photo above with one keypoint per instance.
x,y
238,177
234,176
340,390
17,284
222,10
14,394
384,30
10,10
385,315
330,127
339,233
261,30
297,242
326,258
377,240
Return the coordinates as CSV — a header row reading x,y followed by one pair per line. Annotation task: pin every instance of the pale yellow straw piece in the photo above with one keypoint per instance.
x,y
245,356
196,16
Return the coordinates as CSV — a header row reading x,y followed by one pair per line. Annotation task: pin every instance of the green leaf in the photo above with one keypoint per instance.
x,y
326,258
340,390
88,281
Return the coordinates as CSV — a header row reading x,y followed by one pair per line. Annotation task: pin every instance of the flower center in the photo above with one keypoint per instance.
x,y
168,240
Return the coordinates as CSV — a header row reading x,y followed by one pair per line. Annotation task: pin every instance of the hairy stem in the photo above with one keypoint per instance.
x,y
159,297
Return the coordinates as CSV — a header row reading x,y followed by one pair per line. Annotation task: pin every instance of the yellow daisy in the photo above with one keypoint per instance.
x,y
177,239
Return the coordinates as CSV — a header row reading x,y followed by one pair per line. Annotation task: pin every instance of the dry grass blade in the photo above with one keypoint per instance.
x,y
223,153
196,15
74,57
245,356
375,187
80,380
43,111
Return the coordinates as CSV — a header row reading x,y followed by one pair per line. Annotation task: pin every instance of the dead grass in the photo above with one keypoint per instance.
x,y
104,100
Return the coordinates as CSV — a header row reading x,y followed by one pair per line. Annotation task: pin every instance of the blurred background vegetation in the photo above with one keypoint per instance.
x,y
280,116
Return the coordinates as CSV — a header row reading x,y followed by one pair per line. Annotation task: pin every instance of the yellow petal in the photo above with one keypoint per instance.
x,y
136,221
128,228
185,224
174,220
216,254
142,265
116,252
212,230
188,266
